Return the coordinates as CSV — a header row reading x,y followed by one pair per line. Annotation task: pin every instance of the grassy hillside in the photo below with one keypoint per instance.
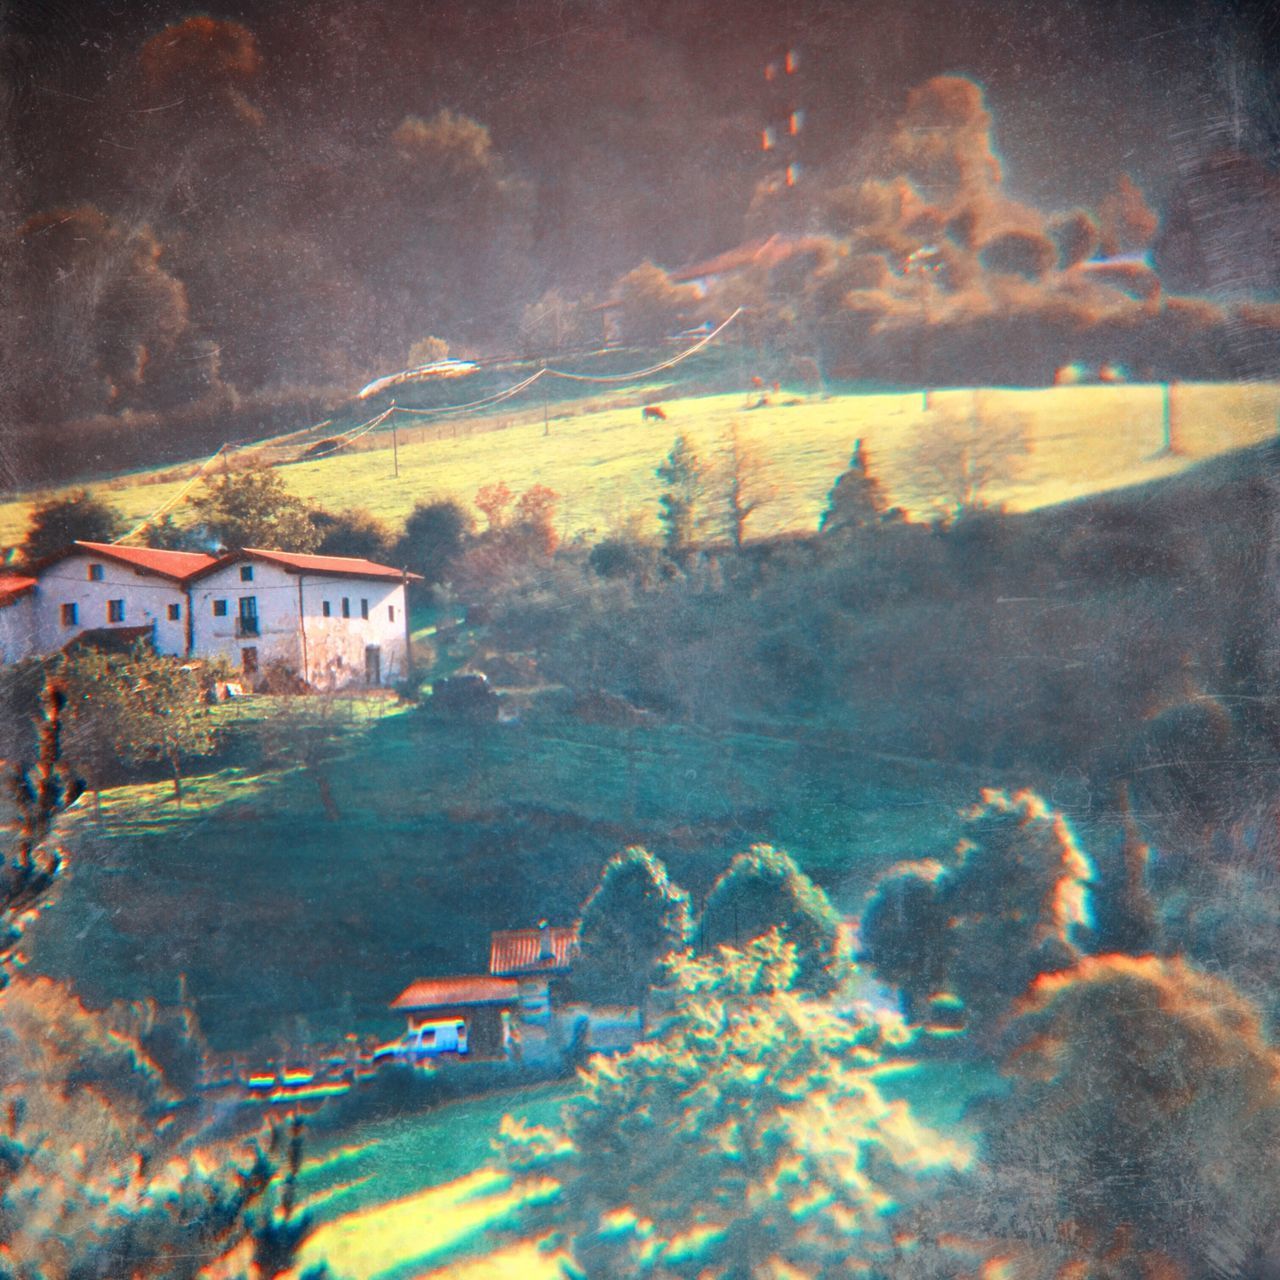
x,y
276,910
601,460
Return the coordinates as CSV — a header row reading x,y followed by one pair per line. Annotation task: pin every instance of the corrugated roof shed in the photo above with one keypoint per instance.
x,y
521,951
436,993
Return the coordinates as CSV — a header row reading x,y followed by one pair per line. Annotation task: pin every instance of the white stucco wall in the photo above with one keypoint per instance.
x,y
147,600
291,622
18,628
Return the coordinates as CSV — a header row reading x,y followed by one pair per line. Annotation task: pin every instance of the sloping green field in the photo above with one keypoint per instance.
x,y
601,460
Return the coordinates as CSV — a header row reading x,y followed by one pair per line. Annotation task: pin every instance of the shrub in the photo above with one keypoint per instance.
x,y
764,889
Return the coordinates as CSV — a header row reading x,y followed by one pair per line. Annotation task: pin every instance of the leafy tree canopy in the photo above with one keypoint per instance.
x,y
634,919
79,516
140,707
749,1141
1010,903
764,889
353,533
680,506
254,509
435,535
1144,1122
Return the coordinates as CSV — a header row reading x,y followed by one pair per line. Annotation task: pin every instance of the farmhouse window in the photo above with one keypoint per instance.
x,y
175,612
364,610
391,613
326,609
247,619
115,610
346,607
70,615
95,573
219,608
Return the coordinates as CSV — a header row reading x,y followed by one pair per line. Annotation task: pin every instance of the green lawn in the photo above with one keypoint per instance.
x,y
601,460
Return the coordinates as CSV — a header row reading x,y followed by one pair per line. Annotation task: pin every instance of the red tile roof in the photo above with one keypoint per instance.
x,y
435,993
13,586
337,566
176,565
514,951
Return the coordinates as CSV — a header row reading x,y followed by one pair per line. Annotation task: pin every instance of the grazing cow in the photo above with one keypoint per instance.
x,y
654,412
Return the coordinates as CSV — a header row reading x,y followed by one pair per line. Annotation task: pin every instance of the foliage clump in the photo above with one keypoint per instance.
x,y
634,919
32,861
1144,1121
1009,904
74,517
857,500
680,506
764,889
254,509
138,707
749,1140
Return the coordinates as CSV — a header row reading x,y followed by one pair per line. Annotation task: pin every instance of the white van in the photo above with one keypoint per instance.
x,y
426,1041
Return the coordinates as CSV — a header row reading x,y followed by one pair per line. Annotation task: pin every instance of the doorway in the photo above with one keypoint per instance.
x,y
372,665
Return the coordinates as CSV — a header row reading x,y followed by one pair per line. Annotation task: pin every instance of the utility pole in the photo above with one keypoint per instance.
x,y
546,424
395,441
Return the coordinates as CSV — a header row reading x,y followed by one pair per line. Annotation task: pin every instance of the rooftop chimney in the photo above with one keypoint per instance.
x,y
545,950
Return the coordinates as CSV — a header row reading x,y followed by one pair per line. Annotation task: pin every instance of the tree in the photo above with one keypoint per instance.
x,y
634,918
149,706
857,500
103,1170
494,501
75,517
353,533
32,860
745,484
955,462
748,1141
679,508
555,323
1144,1119
435,535
253,509
165,535
1007,906
651,305
764,889
427,351
534,523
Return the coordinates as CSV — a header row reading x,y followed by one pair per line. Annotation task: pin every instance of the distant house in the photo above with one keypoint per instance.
x,y
333,620
538,959
519,1007
464,1015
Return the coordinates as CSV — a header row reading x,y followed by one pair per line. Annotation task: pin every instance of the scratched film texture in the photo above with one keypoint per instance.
x,y
744,740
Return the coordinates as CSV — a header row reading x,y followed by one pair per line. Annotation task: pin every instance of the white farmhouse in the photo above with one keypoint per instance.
x,y
90,587
333,620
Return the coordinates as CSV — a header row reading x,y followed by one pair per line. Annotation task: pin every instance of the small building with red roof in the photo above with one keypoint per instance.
x,y
540,960
467,1014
